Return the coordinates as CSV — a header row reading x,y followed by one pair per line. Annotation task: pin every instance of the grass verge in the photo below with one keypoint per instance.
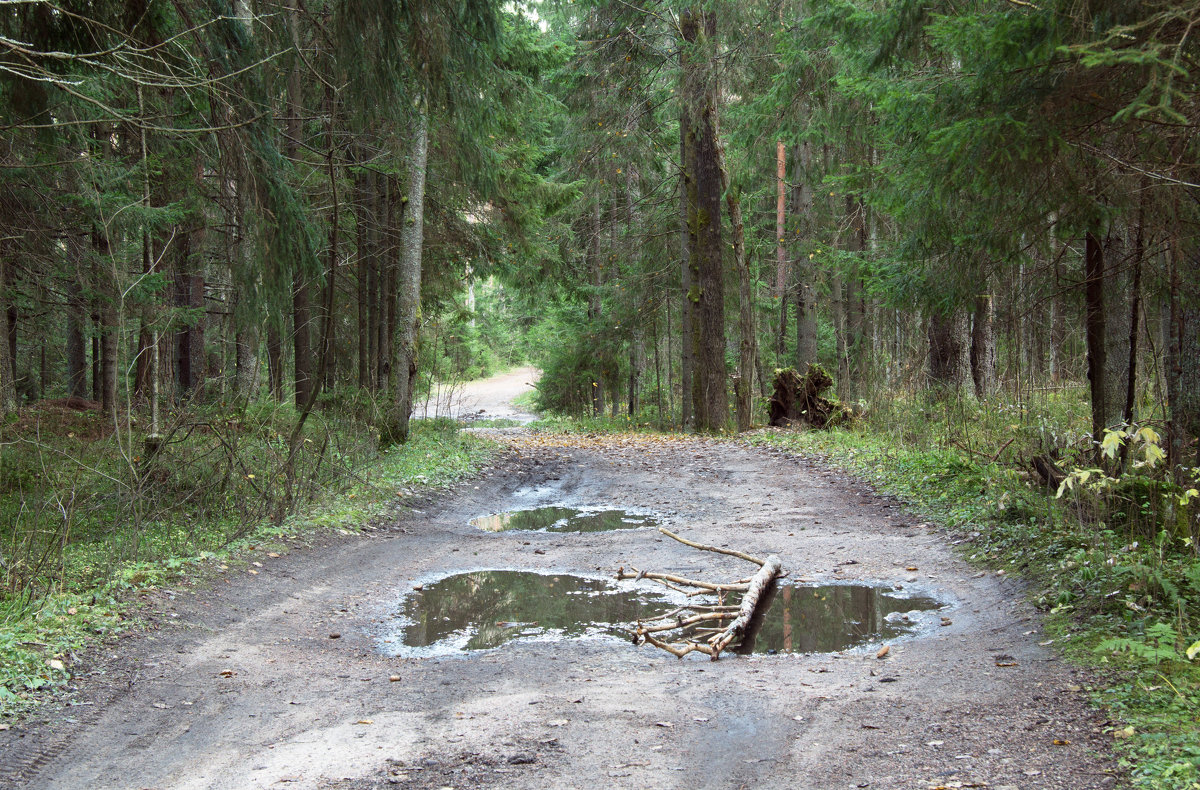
x,y
1120,584
90,597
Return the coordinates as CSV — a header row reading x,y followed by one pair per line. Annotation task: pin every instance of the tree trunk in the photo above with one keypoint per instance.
x,y
949,350
275,357
361,213
1093,296
8,388
392,367
983,346
688,306
781,267
412,238
595,307
805,290
301,310
1183,349
748,345
700,93
373,317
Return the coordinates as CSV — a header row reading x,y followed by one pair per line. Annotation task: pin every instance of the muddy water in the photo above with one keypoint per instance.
x,y
804,619
480,610
485,609
564,519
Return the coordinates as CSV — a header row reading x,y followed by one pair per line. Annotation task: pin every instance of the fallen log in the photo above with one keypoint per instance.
x,y
758,585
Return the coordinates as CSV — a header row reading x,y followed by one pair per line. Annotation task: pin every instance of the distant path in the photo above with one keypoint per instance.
x,y
484,399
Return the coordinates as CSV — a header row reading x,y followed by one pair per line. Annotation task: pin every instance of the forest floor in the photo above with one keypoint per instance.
x,y
272,674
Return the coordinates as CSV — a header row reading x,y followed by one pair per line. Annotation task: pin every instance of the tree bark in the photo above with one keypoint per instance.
x,y
700,93
949,350
76,350
412,237
748,345
595,306
301,310
1093,296
1183,349
686,342
983,346
361,213
805,289
781,267
8,388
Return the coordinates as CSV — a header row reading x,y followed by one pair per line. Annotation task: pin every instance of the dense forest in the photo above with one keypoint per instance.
x,y
208,203
332,206
241,241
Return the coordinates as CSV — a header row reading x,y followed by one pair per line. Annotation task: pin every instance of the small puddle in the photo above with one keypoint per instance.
x,y
564,519
829,618
481,610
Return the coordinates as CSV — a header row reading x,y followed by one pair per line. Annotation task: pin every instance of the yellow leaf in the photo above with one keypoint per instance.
x,y
1111,443
1154,454
1148,434
1194,650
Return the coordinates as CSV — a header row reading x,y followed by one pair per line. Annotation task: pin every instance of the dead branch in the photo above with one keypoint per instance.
x,y
717,549
710,586
762,581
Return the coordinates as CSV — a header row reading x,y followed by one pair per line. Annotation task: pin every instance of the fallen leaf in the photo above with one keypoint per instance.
x,y
1006,663
335,635
700,718
663,724
866,726
227,673
883,651
252,572
365,721
393,678
1061,742
54,663
273,554
256,564
911,568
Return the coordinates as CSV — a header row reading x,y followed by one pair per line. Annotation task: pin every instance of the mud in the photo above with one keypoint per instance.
x,y
276,679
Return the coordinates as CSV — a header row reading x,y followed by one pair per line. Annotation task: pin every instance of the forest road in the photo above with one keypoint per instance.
x,y
275,675
484,399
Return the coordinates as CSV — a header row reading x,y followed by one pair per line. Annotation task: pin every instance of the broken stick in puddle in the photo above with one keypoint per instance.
x,y
690,628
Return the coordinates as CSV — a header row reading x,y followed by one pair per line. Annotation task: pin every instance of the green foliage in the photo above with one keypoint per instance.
x,y
45,621
1115,598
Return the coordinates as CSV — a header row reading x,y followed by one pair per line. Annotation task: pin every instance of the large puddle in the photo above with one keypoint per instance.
x,y
481,610
564,519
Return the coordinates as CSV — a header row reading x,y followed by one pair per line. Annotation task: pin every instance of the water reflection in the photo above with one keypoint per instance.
x,y
564,519
480,610
828,618
484,609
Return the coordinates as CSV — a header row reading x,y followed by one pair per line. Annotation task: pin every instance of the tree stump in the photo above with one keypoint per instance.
x,y
798,399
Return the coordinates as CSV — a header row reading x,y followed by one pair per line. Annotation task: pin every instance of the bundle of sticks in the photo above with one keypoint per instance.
x,y
705,627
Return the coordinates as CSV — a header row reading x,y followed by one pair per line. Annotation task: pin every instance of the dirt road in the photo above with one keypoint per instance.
x,y
279,678
489,398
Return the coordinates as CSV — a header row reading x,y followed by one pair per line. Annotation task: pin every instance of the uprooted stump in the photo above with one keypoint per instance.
x,y
799,399
706,627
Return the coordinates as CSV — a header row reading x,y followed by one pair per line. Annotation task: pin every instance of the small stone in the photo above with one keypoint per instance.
x,y
522,758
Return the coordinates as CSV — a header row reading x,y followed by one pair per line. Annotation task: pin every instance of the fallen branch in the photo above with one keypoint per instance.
x,y
691,624
717,549
761,582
